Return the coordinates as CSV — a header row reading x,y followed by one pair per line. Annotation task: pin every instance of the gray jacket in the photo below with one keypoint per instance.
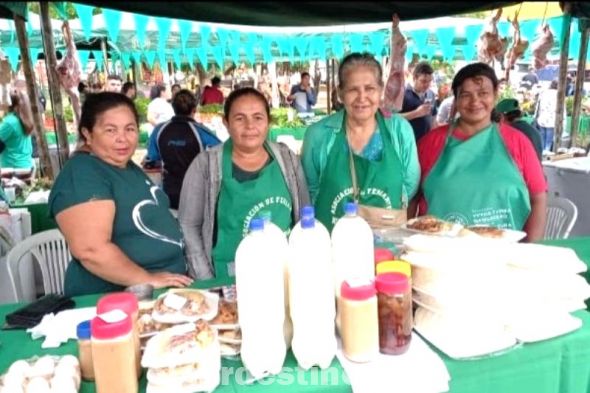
x,y
199,195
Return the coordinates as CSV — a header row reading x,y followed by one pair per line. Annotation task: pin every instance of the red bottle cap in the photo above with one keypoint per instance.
x,y
125,301
383,254
392,283
103,330
357,290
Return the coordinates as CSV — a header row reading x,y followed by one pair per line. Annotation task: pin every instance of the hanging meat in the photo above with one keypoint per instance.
x,y
394,88
490,46
519,46
68,70
541,47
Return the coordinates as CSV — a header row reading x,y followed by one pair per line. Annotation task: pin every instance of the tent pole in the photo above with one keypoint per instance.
x,y
328,85
564,45
585,30
103,46
63,149
21,33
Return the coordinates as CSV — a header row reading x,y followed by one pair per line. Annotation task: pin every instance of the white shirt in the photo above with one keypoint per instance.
x,y
160,109
547,106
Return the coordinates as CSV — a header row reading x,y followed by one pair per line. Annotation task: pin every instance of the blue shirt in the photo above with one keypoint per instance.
x,y
311,99
420,125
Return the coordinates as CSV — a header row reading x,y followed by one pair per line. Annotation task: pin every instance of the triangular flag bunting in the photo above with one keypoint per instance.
x,y
83,55
218,54
34,52
202,56
190,57
162,58
204,31
266,49
301,46
98,59
503,29
185,28
377,43
356,42
126,59
112,20
176,57
337,47
445,37
12,54
141,22
150,56
85,15
420,37
163,31
252,41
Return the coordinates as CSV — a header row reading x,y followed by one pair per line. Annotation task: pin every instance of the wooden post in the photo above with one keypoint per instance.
x,y
54,86
581,74
103,46
564,45
329,85
21,33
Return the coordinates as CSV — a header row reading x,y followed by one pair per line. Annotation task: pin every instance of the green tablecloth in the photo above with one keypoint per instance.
x,y
40,220
560,365
297,133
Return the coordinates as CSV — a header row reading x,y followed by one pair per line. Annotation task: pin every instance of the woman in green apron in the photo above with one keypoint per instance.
x,y
227,186
358,153
478,172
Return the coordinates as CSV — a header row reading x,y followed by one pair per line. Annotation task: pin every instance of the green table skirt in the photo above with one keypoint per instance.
x,y
560,365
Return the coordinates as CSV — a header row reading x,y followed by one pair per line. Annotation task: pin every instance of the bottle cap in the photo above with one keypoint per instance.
x,y
83,330
383,254
396,266
391,283
256,224
307,210
307,222
352,290
104,330
350,208
125,301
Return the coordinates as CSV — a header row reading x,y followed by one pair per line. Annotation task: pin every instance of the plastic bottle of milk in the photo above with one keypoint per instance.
x,y
261,304
352,247
279,240
311,296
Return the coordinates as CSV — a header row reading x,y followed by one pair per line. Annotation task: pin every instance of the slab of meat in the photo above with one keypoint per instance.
x,y
519,46
490,46
541,47
394,88
68,70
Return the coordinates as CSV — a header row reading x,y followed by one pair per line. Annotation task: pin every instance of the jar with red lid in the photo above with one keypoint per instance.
x,y
113,353
359,328
394,297
126,302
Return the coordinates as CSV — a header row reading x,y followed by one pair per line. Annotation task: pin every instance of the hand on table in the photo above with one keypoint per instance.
x,y
166,279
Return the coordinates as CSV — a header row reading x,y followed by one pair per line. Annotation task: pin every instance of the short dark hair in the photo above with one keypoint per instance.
x,y
554,83
96,104
156,91
513,115
127,86
423,68
304,74
215,80
477,71
184,103
175,85
115,77
244,91
357,59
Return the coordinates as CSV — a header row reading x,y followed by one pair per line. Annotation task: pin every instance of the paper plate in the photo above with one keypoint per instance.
x,y
454,231
212,300
510,235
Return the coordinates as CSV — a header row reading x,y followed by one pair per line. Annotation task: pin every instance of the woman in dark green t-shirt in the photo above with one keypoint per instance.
x,y
115,220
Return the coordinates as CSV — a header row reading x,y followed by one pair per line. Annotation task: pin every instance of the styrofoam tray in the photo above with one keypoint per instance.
x,y
212,300
528,332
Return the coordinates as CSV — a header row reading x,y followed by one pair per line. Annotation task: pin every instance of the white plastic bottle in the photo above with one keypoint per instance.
x,y
279,240
352,247
352,251
311,296
261,304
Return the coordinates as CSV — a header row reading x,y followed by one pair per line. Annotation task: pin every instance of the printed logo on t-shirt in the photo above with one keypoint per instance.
x,y
336,205
142,227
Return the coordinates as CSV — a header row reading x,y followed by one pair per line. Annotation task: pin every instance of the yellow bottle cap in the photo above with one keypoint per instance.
x,y
396,266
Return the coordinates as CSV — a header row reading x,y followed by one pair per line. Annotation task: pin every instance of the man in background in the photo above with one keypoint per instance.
x,y
303,97
418,105
113,84
177,142
129,90
212,94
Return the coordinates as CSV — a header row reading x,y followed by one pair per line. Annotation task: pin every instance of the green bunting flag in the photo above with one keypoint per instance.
x,y
185,28
12,54
141,22
85,15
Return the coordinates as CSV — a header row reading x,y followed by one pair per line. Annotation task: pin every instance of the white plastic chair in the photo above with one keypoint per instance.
x,y
561,217
50,250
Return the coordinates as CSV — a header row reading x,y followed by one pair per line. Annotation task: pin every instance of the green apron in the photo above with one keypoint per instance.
x,y
380,182
476,182
240,202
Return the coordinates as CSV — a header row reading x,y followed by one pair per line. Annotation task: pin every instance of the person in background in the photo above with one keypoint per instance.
x,y
159,109
225,187
530,78
177,142
16,146
129,90
212,94
113,84
478,172
302,96
446,110
545,114
418,105
511,114
115,220
381,148
175,89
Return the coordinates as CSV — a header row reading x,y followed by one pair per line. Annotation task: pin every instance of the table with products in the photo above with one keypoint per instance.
x,y
557,365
